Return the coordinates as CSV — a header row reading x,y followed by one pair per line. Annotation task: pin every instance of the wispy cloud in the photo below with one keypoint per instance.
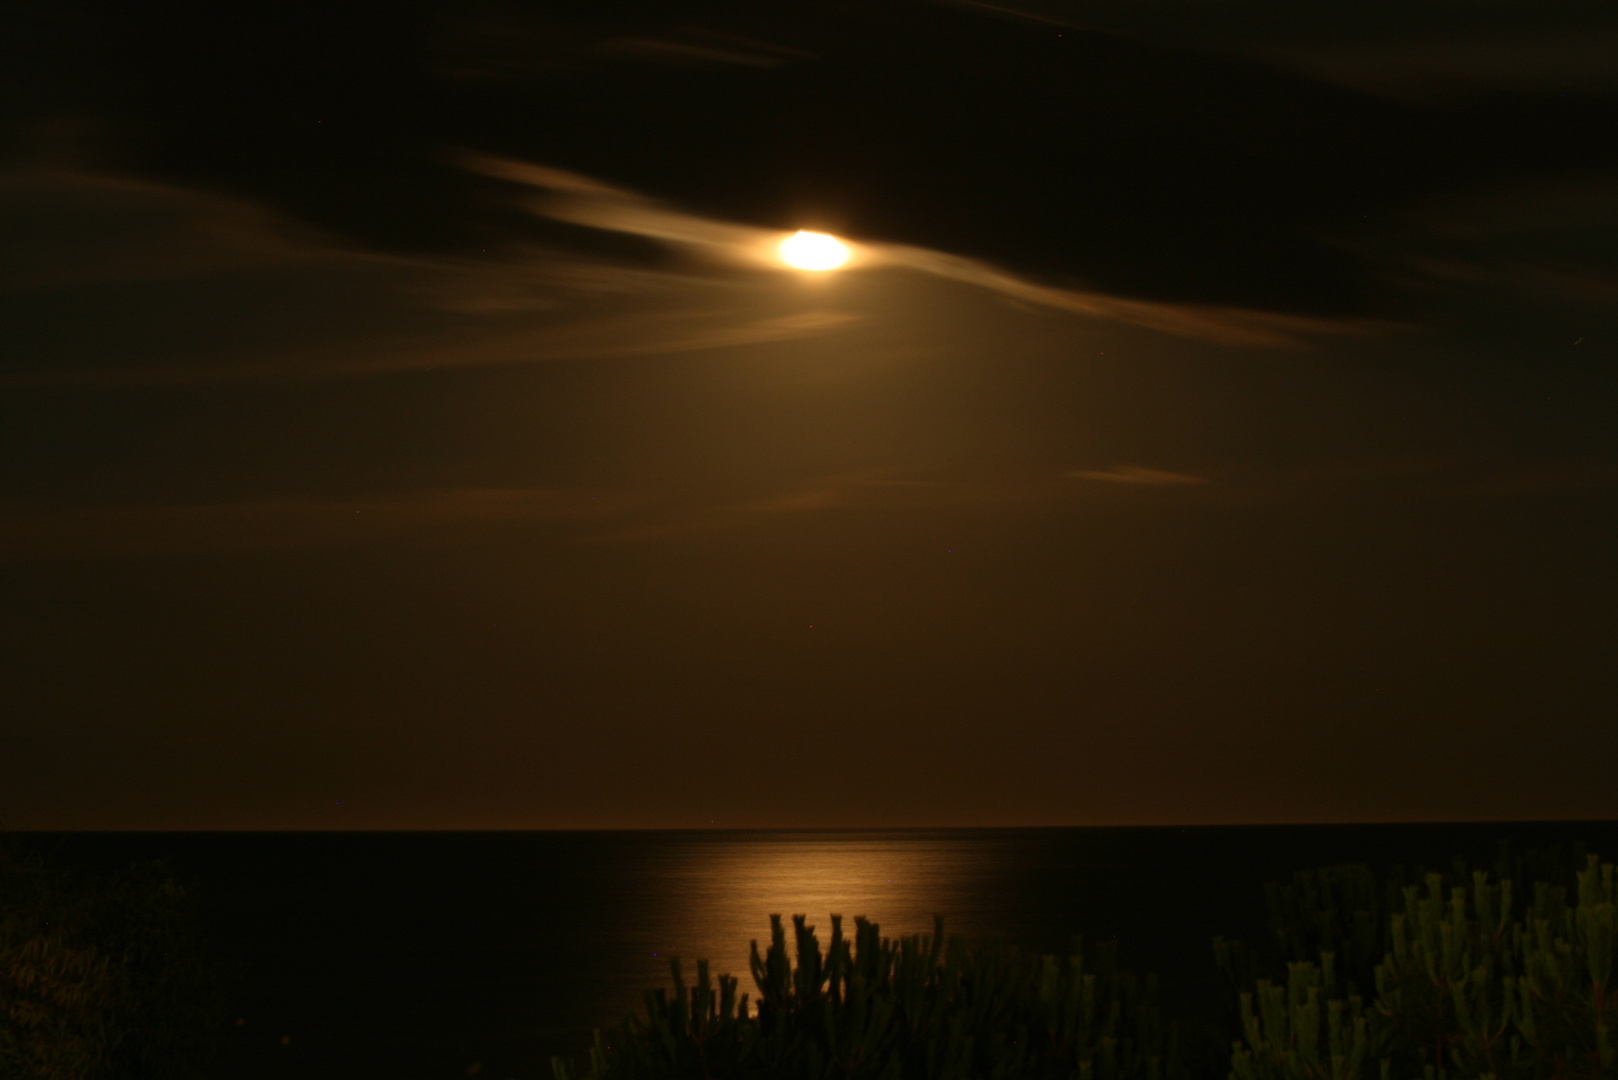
x,y
664,333
1532,61
1135,474
166,285
1224,325
1373,48
267,524
267,299
470,514
137,531
694,46
869,489
65,228
701,518
1535,242
580,200
29,532
706,517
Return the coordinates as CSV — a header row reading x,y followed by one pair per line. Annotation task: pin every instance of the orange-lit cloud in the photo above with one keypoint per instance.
x,y
265,299
247,525
440,515
580,200
268,300
1134,474
666,333
629,516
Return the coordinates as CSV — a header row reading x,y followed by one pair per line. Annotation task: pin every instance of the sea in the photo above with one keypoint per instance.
x,y
426,956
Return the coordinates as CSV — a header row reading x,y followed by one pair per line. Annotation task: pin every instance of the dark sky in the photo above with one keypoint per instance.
x,y
404,423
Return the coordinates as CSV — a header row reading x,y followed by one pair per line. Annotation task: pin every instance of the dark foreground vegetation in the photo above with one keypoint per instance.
x,y
1503,973
103,973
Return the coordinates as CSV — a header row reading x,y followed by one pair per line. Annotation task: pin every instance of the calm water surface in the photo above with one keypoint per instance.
x,y
424,955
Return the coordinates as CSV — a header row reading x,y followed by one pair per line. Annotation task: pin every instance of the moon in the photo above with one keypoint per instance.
x,y
813,251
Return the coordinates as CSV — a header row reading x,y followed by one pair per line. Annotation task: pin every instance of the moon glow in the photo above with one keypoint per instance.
x,y
813,251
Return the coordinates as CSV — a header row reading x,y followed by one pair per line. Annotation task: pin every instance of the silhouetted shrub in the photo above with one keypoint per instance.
x,y
1464,990
1414,976
101,974
919,1006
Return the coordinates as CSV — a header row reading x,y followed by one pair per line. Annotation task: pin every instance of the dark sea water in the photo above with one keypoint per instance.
x,y
412,956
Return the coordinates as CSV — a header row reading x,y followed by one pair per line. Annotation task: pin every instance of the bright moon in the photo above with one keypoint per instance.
x,y
813,251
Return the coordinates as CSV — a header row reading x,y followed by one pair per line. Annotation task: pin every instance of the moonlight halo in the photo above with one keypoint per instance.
x,y
813,251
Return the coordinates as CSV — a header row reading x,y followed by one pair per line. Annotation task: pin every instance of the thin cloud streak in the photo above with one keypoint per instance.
x,y
311,309
647,334
269,524
65,228
441,515
1372,50
579,200
617,517
1134,474
1221,325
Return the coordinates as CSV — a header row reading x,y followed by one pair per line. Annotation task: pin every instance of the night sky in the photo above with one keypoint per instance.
x,y
405,423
